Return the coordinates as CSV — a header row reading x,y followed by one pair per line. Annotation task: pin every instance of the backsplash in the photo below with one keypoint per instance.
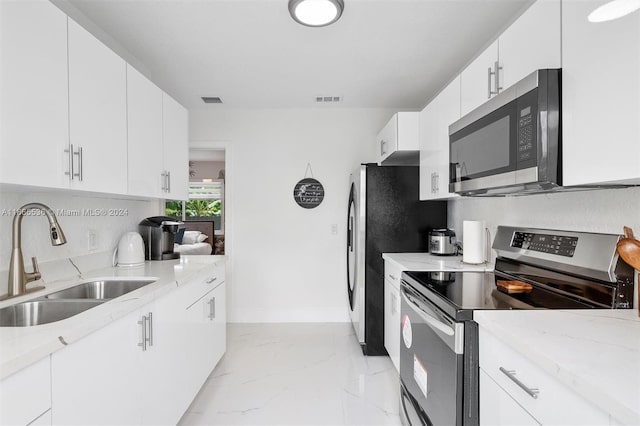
x,y
605,210
78,215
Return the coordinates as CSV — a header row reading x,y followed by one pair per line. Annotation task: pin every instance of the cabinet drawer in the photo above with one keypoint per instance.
x,y
540,394
392,273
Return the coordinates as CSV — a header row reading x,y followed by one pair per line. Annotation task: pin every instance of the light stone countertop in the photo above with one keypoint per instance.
x,y
429,262
23,346
596,353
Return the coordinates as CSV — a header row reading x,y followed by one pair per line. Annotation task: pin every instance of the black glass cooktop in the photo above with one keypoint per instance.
x,y
460,293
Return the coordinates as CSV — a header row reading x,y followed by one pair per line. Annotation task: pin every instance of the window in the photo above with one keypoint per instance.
x,y
206,202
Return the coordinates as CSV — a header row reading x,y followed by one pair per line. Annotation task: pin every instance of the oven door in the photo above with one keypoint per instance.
x,y
434,387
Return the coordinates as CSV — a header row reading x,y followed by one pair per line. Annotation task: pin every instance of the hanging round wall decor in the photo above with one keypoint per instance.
x,y
308,192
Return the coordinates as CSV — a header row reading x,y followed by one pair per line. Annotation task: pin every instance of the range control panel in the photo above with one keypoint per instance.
x,y
545,243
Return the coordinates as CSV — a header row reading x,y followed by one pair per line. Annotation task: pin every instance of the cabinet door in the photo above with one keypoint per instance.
x,y
96,380
26,394
216,327
434,152
536,32
387,139
97,113
392,322
475,81
429,150
144,125
498,408
600,96
175,148
34,101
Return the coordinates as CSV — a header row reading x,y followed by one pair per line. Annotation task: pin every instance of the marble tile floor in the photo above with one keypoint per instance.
x,y
296,374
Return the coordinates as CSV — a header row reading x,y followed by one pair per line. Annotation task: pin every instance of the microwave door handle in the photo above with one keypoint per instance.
x,y
430,320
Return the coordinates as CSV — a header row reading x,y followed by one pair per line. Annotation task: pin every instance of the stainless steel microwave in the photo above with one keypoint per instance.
x,y
512,143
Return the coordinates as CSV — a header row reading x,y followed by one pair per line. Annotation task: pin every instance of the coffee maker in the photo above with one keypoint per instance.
x,y
158,234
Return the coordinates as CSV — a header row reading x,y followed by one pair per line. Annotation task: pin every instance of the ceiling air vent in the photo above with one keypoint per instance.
x,y
328,99
212,99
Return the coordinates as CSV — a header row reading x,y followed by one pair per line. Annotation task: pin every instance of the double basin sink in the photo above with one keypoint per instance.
x,y
68,302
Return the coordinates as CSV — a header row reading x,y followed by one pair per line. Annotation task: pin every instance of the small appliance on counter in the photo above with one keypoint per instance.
x,y
130,251
158,233
442,242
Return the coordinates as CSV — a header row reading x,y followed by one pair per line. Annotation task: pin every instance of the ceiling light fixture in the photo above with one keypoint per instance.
x,y
613,10
316,13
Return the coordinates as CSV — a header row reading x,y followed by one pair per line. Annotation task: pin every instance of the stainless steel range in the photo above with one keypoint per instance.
x,y
535,269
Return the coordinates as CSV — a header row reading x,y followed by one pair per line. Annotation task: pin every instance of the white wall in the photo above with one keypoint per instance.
x,y
604,211
35,231
285,265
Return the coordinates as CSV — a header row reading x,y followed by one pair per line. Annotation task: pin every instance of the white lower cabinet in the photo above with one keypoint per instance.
x,y
498,408
526,391
392,312
146,367
25,397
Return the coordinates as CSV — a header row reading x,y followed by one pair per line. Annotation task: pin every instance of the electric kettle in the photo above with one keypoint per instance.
x,y
130,251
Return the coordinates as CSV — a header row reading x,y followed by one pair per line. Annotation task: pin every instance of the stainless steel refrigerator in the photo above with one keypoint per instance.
x,y
384,215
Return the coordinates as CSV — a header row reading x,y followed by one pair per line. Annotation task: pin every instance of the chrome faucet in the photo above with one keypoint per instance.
x,y
18,277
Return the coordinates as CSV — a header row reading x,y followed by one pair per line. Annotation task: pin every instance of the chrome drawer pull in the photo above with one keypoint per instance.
x,y
210,280
533,392
143,341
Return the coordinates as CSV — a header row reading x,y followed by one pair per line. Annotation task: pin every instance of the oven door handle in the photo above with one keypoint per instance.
x,y
429,319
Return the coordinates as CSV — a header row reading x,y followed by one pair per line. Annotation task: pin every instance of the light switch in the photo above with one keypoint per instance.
x,y
92,239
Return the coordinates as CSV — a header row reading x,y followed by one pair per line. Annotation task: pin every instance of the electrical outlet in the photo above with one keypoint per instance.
x,y
334,229
92,239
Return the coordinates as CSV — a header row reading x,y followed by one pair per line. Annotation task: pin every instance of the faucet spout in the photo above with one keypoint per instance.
x,y
18,277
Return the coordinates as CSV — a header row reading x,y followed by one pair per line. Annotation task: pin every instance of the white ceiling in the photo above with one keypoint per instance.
x,y
380,54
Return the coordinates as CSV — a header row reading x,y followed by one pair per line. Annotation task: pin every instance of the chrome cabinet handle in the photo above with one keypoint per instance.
x,y
532,392
163,188
393,277
70,153
437,182
212,308
210,280
80,161
382,144
168,181
496,79
143,341
150,322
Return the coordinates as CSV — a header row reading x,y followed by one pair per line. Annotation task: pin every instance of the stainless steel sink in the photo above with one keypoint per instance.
x,y
103,289
39,312
68,302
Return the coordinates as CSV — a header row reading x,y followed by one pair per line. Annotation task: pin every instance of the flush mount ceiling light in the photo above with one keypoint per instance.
x,y
613,10
316,13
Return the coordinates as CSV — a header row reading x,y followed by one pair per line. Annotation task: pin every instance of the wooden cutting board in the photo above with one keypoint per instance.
x,y
512,287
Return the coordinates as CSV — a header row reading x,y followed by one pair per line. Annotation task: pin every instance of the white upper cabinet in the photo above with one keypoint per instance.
x,y
144,124
34,94
600,96
175,139
97,114
434,142
477,81
532,42
397,142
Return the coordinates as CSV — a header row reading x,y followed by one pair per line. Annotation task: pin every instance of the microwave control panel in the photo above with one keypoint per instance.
x,y
545,243
526,143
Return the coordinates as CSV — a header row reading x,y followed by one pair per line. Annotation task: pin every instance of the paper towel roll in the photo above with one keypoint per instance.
x,y
473,241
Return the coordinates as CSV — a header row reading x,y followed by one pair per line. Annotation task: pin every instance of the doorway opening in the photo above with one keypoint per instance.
x,y
204,212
